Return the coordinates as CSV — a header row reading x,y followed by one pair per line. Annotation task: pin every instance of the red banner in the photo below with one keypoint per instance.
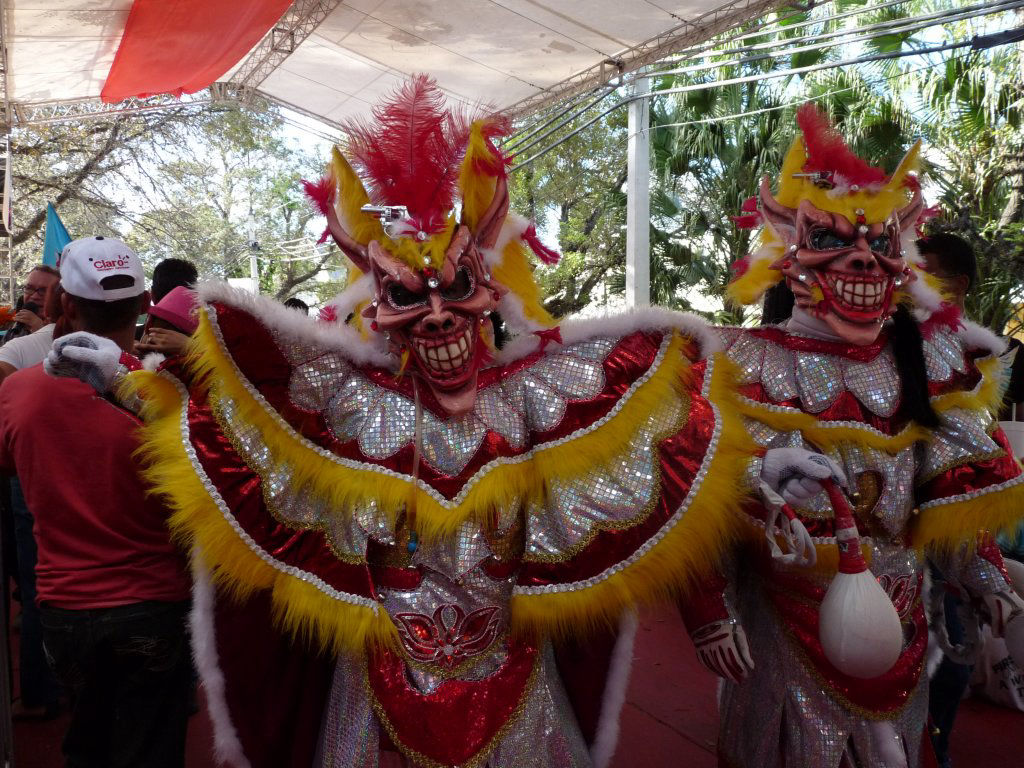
x,y
181,46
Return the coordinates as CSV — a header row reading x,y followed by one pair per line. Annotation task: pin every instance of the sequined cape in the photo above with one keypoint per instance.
x,y
921,492
589,476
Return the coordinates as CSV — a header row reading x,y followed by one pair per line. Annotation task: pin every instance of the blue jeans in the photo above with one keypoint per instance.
x,y
38,685
128,670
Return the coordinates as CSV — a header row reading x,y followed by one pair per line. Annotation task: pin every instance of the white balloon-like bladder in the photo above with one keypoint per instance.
x,y
859,627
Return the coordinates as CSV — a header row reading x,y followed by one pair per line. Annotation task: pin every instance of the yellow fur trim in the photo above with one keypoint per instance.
x,y
516,274
947,526
751,285
877,205
299,607
826,437
689,549
344,488
987,397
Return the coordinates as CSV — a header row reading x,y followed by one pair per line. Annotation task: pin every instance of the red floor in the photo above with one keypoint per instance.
x,y
669,720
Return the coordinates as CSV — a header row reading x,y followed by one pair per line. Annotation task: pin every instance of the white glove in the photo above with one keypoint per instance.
x,y
722,649
794,473
782,522
93,359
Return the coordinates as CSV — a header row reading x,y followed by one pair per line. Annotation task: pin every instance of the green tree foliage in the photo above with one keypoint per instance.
x,y
188,183
712,143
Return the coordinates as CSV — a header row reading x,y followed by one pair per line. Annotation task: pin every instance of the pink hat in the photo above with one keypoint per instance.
x,y
178,308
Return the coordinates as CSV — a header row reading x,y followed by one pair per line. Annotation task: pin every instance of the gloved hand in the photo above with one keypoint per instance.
x,y
722,649
782,521
794,473
93,359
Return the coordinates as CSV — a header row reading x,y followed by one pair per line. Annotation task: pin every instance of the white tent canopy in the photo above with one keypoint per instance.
x,y
332,60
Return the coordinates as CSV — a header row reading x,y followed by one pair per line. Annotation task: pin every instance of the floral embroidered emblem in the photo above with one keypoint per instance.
x,y
450,635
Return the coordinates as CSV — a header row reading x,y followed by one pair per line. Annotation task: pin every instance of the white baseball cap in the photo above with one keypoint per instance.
x,y
87,263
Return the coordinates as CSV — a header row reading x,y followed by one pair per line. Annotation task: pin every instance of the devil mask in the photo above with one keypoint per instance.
x,y
835,231
434,288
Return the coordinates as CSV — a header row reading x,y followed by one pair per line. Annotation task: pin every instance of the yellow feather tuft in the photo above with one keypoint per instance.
x,y
516,274
945,527
826,437
751,285
300,608
351,198
988,396
687,551
477,187
878,204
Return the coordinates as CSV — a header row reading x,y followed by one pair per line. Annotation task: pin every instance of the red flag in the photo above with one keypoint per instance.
x,y
181,46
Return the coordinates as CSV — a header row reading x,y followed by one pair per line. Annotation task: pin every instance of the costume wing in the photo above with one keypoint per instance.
x,y
284,453
969,479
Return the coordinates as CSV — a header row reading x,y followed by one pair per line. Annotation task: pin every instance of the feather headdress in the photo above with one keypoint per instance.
x,y
417,152
821,168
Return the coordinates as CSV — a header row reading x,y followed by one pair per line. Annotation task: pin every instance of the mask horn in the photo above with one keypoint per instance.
x,y
908,215
493,218
781,218
356,252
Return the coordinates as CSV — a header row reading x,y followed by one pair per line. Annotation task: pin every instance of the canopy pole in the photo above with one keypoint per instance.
x,y
638,198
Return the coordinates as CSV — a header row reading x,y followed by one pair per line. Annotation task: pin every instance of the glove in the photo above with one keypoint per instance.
x,y
794,473
722,649
782,521
93,359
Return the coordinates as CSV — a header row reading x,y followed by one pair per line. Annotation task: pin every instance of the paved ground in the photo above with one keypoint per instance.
x,y
669,721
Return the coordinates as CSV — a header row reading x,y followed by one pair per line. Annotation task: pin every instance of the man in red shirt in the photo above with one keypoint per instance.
x,y
113,591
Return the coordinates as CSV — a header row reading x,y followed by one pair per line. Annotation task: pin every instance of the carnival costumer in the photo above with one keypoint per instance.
x,y
821,632
395,526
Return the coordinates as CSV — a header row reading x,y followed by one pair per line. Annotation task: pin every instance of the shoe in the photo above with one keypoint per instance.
x,y
19,712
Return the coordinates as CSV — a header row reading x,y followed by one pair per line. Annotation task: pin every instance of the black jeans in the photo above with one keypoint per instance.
x,y
129,673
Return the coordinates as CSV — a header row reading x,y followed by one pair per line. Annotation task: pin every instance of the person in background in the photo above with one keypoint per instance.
x,y
30,316
171,322
297,303
113,590
30,338
171,273
39,688
950,258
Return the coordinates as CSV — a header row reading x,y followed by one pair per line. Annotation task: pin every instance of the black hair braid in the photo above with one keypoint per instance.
x,y
906,340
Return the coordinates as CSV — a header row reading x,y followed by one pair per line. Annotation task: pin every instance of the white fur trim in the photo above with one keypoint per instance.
x,y
336,337
226,745
607,737
978,337
152,361
616,326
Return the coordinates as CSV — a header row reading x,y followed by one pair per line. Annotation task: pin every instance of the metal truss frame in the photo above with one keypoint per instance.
x,y
685,34
41,113
298,23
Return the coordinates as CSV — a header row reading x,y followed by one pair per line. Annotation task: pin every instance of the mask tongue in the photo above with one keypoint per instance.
x,y
805,324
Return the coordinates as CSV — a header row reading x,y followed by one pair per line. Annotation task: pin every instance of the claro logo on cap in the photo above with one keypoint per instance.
x,y
102,265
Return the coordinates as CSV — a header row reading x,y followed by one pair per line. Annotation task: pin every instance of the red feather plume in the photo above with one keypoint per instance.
x,y
826,150
321,192
409,153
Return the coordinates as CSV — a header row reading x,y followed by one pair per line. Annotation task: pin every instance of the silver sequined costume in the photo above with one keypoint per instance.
x,y
795,709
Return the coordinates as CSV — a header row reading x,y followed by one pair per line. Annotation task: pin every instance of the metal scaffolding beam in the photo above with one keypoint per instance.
x,y
298,23
685,34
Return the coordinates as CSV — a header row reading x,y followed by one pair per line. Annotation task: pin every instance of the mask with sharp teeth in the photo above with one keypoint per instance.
x,y
435,276
834,232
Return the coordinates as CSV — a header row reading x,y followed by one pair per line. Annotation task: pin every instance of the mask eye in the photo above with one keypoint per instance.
x,y
880,244
461,287
401,297
826,240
